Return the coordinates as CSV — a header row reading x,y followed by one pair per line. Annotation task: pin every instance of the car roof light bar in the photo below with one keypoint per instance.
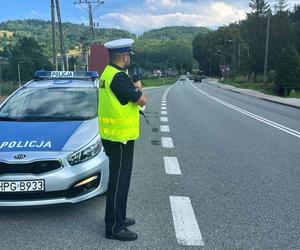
x,y
42,74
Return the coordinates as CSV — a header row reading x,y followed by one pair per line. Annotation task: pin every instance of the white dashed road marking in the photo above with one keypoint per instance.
x,y
167,142
164,119
186,226
164,128
172,165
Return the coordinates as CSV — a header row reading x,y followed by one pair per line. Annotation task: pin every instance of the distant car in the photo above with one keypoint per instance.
x,y
192,77
182,78
50,149
197,78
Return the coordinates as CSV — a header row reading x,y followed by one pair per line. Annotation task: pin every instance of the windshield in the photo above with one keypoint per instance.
x,y
51,104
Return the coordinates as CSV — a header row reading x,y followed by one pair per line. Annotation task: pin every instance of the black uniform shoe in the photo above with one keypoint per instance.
x,y
129,222
123,235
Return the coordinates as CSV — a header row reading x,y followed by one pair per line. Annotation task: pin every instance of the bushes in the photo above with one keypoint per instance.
x,y
287,71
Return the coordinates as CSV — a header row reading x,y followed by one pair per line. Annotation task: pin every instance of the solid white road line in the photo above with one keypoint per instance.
x,y
164,119
186,226
172,165
164,128
254,116
163,112
167,142
166,93
163,108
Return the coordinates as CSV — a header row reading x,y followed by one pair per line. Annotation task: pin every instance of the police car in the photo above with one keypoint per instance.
x,y
50,149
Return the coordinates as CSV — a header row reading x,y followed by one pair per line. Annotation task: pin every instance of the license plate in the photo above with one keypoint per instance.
x,y
22,186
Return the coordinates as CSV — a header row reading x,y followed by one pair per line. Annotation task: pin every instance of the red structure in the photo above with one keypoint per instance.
x,y
98,59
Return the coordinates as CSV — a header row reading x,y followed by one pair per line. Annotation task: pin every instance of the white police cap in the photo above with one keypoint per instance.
x,y
120,45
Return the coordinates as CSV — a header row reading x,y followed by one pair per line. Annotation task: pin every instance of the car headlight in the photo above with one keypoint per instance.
x,y
86,153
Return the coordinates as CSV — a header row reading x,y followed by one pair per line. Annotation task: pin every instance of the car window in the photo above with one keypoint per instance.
x,y
52,104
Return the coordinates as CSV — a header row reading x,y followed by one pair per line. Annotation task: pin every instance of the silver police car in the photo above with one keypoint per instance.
x,y
50,149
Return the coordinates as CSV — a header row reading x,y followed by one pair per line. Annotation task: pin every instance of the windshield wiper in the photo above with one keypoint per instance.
x,y
9,119
47,118
75,118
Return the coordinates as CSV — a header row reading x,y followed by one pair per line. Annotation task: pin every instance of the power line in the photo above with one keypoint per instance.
x,y
25,8
12,11
89,9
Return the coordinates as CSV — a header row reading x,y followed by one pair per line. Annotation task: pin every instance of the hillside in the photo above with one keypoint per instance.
x,y
152,49
179,33
41,30
76,34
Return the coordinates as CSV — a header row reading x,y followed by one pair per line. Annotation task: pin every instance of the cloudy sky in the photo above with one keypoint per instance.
x,y
137,16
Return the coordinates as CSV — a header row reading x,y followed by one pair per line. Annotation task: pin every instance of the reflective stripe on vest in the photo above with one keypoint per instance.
x,y
117,122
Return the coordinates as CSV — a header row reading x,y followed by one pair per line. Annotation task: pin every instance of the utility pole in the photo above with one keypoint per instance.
x,y
234,56
267,50
90,11
53,34
62,46
239,63
1,72
91,21
19,73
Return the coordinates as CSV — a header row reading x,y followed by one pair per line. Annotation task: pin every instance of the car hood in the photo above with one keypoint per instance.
x,y
45,136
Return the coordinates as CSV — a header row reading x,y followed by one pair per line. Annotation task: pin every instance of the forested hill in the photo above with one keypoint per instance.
x,y
11,31
41,30
171,46
181,33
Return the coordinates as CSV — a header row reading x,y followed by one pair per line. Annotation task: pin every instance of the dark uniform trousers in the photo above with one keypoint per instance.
x,y
120,167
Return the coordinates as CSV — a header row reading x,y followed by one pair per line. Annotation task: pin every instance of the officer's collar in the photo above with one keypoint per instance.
x,y
116,66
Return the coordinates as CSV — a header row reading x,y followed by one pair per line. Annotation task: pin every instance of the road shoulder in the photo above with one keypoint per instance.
x,y
292,102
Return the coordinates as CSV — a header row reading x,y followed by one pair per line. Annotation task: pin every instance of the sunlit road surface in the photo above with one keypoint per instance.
x,y
213,170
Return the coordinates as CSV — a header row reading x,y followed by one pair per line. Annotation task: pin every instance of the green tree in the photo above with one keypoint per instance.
x,y
281,5
287,70
295,16
29,54
282,35
259,7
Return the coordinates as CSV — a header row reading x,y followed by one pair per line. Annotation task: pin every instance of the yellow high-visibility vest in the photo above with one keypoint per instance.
x,y
117,122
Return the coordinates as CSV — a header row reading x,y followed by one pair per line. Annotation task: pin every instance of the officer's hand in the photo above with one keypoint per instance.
x,y
138,84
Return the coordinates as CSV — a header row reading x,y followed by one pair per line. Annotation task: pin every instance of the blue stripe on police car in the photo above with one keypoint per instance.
x,y
36,136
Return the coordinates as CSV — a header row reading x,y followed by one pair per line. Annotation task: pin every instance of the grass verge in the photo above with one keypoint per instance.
x,y
250,85
295,95
155,82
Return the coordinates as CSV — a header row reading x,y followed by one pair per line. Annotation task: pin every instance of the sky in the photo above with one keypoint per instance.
x,y
136,16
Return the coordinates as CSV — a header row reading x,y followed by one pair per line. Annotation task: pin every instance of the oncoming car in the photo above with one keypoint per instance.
x,y
50,148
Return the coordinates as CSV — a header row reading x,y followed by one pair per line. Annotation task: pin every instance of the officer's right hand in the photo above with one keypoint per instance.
x,y
138,84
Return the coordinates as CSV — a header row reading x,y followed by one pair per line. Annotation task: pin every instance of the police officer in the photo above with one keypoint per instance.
x,y
119,104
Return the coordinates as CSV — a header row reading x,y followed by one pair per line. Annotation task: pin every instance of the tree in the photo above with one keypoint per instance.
x,y
29,54
295,16
259,7
281,5
282,35
287,70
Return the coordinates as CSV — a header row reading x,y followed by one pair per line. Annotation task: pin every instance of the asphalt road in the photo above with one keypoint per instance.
x,y
240,172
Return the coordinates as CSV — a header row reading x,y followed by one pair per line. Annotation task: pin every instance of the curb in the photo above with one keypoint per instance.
x,y
234,89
